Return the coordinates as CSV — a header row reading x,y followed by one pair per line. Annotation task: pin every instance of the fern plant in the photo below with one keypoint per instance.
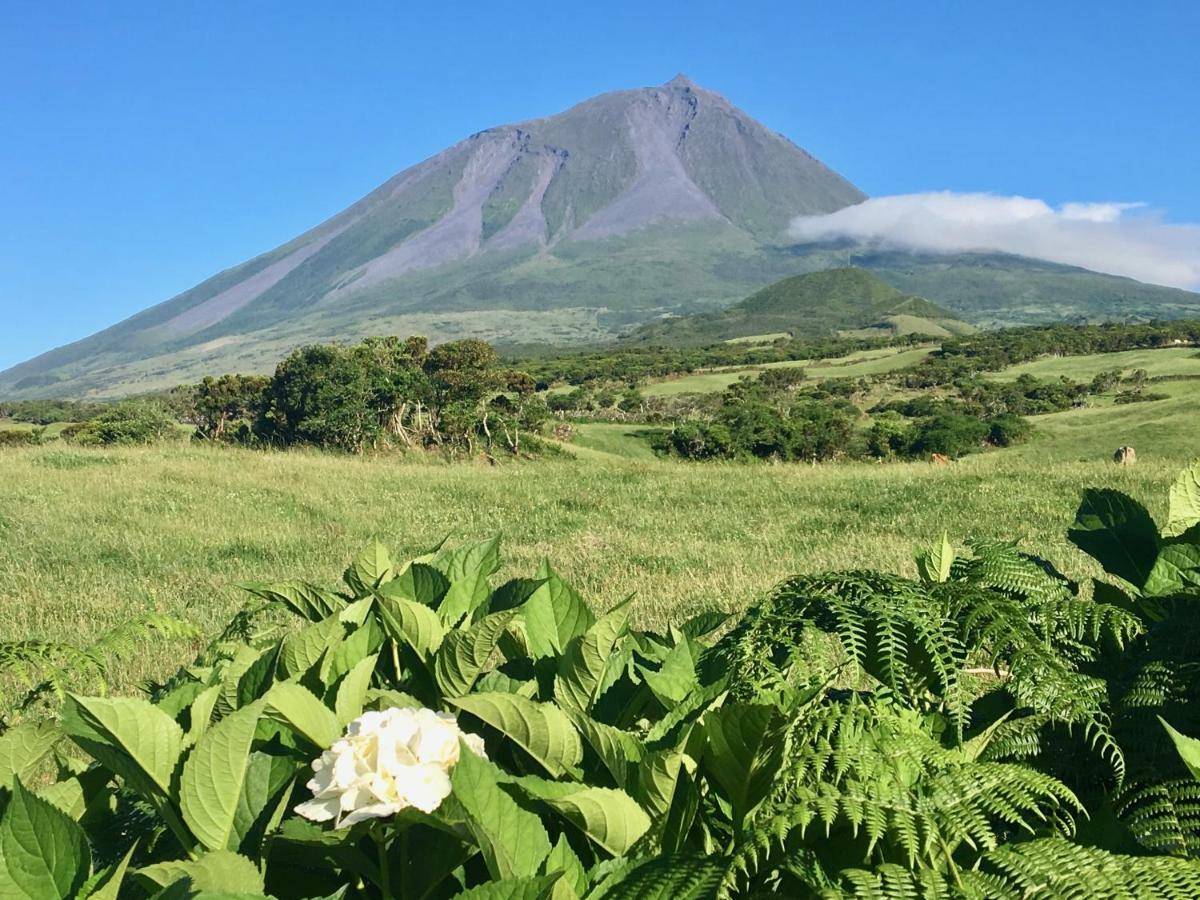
x,y
32,671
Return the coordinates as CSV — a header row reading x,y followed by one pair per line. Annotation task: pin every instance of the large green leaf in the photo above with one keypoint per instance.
x,y
43,853
465,653
463,598
460,562
305,600
744,751
1116,531
213,777
676,678
419,582
573,882
267,780
654,787
554,614
512,840
109,881
1184,503
304,713
611,818
303,649
130,737
1188,748
67,795
1177,567
618,750
678,877
371,568
220,870
542,729
413,623
582,666
352,692
200,713
935,563
356,647
23,747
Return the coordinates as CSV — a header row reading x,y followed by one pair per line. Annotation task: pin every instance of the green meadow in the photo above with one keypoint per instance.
x,y
90,537
854,365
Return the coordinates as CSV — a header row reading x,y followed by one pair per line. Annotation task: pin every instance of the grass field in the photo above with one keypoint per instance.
x,y
854,365
89,538
1168,361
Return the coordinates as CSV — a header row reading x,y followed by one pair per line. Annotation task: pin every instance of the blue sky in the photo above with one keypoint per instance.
x,y
148,145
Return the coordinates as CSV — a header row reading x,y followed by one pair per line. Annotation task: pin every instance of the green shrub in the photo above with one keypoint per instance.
x,y
128,422
27,437
951,434
1007,429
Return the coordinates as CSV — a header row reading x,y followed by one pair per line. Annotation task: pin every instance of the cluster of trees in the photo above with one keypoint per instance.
x,y
382,391
817,431
991,351
47,412
779,417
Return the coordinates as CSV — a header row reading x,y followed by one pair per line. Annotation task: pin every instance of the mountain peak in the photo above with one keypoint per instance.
x,y
682,82
529,217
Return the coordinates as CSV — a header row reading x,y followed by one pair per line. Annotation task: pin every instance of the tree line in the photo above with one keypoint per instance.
x,y
380,391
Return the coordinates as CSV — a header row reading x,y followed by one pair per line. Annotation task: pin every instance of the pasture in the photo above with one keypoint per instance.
x,y
853,365
90,537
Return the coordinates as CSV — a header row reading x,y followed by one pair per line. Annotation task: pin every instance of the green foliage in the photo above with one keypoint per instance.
x,y
128,422
978,732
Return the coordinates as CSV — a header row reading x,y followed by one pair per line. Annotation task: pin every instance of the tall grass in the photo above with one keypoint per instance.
x,y
89,538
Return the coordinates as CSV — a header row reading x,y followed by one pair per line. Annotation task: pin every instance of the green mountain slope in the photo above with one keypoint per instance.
x,y
817,303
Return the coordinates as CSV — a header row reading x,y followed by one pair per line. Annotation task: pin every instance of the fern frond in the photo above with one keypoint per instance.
x,y
30,670
872,773
1054,868
1164,816
893,628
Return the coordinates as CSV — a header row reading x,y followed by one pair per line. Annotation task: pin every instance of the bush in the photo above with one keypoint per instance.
x,y
129,422
1138,395
1006,430
951,434
11,437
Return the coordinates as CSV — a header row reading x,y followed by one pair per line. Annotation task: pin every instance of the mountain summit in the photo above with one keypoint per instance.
x,y
629,206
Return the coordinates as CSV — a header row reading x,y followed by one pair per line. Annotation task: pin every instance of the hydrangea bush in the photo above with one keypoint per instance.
x,y
990,728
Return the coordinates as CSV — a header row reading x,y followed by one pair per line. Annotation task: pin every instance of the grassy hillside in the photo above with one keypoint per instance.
x,y
590,292
1167,361
809,305
993,290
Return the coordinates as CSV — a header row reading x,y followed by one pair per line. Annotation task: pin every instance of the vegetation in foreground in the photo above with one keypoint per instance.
x,y
987,730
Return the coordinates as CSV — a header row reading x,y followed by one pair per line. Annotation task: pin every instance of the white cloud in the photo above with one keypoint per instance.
x,y
1118,238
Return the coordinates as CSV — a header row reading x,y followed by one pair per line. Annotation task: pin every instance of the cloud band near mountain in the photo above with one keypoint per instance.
x,y
1117,238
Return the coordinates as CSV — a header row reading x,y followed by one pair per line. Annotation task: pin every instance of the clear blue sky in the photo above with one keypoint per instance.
x,y
145,146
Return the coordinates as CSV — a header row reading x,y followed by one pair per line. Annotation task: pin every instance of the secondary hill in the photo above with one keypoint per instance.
x,y
847,299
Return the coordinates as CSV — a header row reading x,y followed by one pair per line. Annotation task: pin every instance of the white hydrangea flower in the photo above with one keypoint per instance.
x,y
387,761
